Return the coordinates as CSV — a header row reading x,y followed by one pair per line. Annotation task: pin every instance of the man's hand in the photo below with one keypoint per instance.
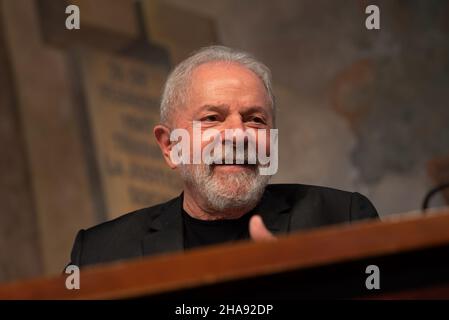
x,y
258,231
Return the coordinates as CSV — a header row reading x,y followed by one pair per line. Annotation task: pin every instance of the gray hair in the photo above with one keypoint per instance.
x,y
176,86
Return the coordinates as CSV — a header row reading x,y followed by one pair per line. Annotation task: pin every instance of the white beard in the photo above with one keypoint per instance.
x,y
224,192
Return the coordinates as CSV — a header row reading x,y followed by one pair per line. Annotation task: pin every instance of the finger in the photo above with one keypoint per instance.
x,y
258,231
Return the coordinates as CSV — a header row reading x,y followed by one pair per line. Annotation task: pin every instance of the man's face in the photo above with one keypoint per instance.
x,y
225,96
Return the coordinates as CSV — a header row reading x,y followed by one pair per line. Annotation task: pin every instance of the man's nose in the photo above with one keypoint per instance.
x,y
234,124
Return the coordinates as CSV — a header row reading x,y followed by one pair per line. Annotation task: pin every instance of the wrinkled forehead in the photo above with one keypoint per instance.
x,y
226,83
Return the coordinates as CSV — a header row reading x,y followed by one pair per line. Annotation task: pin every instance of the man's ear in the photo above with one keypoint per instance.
x,y
162,134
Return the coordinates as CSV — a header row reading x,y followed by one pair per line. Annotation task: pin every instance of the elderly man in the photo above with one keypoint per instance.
x,y
218,88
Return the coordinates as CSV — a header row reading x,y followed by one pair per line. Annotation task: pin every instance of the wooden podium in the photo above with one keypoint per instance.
x,y
411,252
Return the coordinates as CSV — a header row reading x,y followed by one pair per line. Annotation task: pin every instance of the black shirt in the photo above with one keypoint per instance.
x,y
207,232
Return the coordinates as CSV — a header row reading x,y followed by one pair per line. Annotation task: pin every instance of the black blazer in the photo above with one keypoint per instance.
x,y
284,208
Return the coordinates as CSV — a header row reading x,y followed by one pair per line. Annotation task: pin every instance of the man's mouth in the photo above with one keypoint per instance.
x,y
233,167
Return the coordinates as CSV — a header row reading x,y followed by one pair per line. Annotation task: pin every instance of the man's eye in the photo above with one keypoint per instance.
x,y
257,120
210,118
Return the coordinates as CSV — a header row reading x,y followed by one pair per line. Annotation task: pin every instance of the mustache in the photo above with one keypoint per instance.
x,y
233,154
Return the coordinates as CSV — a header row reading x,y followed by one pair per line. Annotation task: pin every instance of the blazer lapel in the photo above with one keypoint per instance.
x,y
165,232
275,213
